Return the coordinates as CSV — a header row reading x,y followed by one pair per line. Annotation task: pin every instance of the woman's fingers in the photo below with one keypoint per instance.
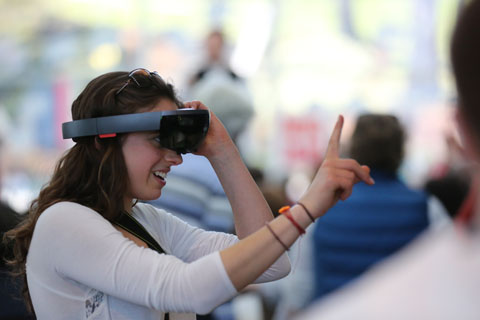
x,y
346,174
195,105
336,177
332,154
362,172
334,142
341,175
344,180
346,188
366,169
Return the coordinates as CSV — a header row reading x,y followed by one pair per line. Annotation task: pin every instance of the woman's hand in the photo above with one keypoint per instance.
x,y
217,140
335,178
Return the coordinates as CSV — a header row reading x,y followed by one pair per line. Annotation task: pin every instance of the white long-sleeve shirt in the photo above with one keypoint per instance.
x,y
80,267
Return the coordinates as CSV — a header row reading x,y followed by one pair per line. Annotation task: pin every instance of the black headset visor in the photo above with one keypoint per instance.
x,y
180,130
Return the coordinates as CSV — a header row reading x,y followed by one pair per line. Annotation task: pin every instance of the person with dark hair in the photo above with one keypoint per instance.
x,y
451,184
379,140
194,192
90,248
376,221
215,57
218,86
437,276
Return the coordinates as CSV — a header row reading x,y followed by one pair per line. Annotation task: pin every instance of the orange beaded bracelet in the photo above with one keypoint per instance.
x,y
286,212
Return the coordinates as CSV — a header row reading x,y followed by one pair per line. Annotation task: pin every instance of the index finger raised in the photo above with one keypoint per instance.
x,y
334,142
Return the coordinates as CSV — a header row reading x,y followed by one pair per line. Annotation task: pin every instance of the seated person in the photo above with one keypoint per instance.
x,y
376,220
11,304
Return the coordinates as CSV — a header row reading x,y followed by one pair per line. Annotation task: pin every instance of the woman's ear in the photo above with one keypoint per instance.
x,y
467,136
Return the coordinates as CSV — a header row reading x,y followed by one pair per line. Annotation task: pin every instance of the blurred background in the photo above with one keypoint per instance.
x,y
304,62
301,62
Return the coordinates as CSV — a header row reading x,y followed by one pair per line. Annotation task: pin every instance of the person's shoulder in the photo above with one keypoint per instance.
x,y
197,170
67,207
156,220
65,212
416,193
5,209
395,187
146,211
154,216
9,218
191,165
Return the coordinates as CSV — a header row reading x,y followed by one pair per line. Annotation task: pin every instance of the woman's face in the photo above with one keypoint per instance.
x,y
147,163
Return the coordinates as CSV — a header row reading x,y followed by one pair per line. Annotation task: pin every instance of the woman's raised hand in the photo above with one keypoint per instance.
x,y
217,138
335,178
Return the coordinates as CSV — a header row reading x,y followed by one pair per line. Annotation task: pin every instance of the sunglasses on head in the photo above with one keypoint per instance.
x,y
142,78
181,130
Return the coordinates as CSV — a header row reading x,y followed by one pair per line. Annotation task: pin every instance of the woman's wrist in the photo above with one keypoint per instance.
x,y
223,153
299,215
320,204
307,211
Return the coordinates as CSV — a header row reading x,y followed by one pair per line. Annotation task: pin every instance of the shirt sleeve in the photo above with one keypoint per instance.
x,y
79,244
191,243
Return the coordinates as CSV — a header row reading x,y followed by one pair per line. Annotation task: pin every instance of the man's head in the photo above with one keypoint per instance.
x,y
215,45
378,142
465,58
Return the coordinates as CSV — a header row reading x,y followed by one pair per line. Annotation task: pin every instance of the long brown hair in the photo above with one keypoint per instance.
x,y
93,172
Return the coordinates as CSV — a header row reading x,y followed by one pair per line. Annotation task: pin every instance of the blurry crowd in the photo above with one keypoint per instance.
x,y
356,235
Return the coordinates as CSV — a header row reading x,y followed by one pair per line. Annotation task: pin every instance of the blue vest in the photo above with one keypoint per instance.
x,y
369,226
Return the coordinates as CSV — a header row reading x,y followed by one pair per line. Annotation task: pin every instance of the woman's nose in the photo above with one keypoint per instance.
x,y
173,157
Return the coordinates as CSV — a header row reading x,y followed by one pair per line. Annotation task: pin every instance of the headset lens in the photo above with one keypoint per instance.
x,y
183,133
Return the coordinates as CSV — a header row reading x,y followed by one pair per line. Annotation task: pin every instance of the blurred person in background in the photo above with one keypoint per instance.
x,y
11,304
451,183
437,277
194,192
215,57
376,221
219,87
91,248
285,297
372,224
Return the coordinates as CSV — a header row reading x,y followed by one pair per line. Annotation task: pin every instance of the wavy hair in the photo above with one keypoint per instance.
x,y
90,173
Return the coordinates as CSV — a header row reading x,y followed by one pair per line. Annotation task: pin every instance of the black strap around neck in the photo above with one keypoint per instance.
x,y
127,222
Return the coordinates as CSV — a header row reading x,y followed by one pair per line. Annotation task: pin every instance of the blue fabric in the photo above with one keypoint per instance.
x,y
11,300
372,224
194,193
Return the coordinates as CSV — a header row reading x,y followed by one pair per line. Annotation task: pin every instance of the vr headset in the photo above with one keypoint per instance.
x,y
180,130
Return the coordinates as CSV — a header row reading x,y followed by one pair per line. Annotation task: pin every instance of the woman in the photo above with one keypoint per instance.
x,y
78,262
